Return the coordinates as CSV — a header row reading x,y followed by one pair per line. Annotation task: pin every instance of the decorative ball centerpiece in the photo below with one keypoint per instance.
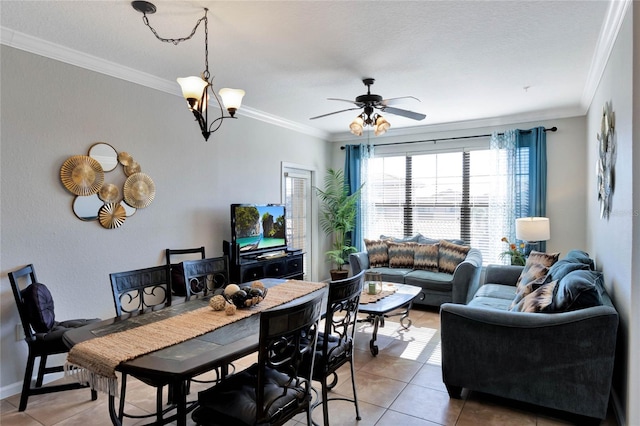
x,y
245,296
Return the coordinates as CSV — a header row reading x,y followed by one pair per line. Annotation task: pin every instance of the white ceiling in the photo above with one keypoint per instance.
x,y
465,60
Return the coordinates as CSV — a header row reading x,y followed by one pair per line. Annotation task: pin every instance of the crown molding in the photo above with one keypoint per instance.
x,y
60,53
608,35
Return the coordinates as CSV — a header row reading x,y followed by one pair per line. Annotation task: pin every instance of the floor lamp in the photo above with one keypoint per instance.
x,y
532,230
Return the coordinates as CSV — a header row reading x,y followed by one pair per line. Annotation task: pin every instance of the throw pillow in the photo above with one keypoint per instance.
x,y
564,266
401,255
577,290
450,256
39,306
426,257
539,300
531,273
536,258
378,253
527,289
582,257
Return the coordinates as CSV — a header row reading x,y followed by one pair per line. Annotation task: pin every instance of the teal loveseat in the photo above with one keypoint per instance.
x,y
561,358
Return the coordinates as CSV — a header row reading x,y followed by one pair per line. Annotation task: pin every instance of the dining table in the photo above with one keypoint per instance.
x,y
176,364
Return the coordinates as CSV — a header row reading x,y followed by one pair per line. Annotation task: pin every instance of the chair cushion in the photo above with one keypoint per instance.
x,y
450,256
38,303
233,401
177,280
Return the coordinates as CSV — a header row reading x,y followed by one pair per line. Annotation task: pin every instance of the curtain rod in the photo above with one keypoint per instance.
x,y
552,129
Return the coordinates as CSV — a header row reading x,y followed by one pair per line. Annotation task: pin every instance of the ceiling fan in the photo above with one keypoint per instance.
x,y
371,102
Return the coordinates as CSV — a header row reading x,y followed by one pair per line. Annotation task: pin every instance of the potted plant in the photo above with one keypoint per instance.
x,y
337,218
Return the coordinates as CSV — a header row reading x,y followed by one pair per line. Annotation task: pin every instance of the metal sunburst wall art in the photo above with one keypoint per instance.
x,y
606,160
84,176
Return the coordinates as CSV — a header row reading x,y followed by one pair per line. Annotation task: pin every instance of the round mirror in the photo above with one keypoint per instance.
x,y
104,154
87,208
129,211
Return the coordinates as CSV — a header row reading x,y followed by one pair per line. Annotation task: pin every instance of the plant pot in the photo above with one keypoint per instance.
x,y
338,274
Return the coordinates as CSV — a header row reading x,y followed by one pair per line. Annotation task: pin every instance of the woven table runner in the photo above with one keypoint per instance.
x,y
94,361
387,289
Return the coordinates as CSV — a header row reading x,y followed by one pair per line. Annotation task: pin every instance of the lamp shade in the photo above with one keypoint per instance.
x,y
533,229
356,126
231,98
381,127
192,87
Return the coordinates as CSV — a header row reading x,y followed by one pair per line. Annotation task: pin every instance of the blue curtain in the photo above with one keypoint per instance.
x,y
352,174
535,142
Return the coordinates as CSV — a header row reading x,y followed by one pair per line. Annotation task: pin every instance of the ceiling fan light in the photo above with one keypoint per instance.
x,y
381,126
232,99
356,126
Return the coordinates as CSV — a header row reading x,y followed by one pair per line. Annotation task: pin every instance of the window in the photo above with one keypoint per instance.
x,y
439,195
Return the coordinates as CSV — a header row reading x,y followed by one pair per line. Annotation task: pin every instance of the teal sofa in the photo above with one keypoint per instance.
x,y
436,287
560,359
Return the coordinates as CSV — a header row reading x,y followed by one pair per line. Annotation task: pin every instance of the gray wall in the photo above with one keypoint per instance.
x,y
51,111
612,241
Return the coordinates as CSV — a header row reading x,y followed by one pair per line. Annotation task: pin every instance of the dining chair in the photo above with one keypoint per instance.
x,y
42,333
204,276
335,342
271,391
137,292
176,272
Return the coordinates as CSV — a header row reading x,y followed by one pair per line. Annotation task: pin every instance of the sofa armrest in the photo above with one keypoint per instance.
x,y
359,262
562,360
466,277
502,274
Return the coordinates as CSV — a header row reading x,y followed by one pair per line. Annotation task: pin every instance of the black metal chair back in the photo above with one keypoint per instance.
x,y
41,343
141,290
271,391
205,275
137,292
336,342
176,273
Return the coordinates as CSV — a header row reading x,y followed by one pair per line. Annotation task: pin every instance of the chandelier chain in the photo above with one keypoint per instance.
x,y
175,41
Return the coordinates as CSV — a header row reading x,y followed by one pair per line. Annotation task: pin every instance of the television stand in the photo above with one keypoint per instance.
x,y
276,264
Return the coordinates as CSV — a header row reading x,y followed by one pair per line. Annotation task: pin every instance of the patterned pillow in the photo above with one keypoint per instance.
x,y
450,255
401,254
527,289
426,257
378,253
539,300
531,273
541,260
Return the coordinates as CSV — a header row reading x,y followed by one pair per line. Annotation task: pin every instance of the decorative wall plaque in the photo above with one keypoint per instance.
x,y
84,176
606,160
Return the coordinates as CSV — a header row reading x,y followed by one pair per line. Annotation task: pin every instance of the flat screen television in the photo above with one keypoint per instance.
x,y
258,228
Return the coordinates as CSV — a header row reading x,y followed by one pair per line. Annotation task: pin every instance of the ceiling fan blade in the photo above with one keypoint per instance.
x,y
344,100
335,112
394,101
404,113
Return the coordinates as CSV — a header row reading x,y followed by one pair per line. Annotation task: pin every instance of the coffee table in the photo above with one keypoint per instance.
x,y
378,311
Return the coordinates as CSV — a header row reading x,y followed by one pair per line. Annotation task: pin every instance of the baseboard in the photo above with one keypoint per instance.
x,y
618,409
16,388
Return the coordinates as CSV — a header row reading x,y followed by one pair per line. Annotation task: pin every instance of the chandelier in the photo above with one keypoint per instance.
x,y
196,89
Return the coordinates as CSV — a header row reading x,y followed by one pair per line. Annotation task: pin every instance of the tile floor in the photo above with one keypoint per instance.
x,y
401,386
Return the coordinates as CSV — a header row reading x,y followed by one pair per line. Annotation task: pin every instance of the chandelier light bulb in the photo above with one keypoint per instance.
x,y
232,99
